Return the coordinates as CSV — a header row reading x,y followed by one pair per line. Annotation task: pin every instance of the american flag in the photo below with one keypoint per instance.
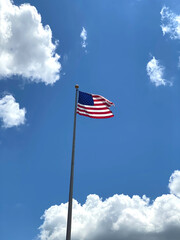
x,y
94,106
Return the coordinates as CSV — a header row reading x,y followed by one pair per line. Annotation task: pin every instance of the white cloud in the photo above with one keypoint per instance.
x,y
174,183
155,72
25,45
170,23
83,35
117,218
10,113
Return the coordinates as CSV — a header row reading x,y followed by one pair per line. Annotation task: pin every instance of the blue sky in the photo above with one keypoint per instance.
x,y
133,153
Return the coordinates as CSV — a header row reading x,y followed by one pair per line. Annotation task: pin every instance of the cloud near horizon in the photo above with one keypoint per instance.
x,y
10,113
174,183
119,217
26,46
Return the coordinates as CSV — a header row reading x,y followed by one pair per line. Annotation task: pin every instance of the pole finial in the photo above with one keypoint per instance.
x,y
76,86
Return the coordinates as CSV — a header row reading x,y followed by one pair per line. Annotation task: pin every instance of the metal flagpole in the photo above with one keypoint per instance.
x,y
69,219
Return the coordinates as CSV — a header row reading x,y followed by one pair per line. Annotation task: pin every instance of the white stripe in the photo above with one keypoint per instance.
x,y
97,98
96,115
101,102
105,103
93,110
90,106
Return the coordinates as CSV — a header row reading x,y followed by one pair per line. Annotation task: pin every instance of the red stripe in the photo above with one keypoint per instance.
x,y
93,112
93,116
96,100
101,104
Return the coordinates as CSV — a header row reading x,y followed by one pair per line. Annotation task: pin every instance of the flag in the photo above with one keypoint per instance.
x,y
94,106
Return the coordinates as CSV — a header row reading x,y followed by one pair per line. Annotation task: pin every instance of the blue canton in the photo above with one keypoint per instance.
x,y
85,98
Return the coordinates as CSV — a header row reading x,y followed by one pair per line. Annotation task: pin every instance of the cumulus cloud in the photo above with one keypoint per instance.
x,y
26,46
155,72
83,35
10,113
174,183
170,23
119,217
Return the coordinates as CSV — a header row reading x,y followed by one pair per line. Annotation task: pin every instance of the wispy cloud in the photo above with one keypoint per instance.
x,y
83,35
26,46
170,23
10,113
118,217
155,72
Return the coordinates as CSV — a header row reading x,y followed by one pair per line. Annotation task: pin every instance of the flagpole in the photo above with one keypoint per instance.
x,y
69,219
